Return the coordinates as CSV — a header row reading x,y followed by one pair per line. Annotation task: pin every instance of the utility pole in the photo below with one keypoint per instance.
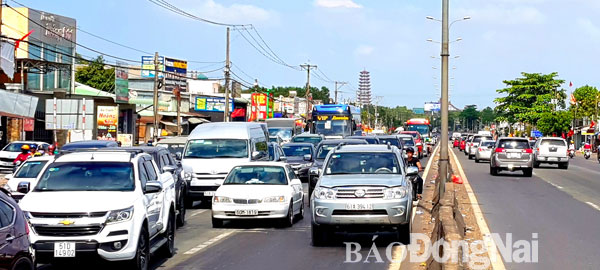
x,y
308,67
336,88
155,101
445,53
227,68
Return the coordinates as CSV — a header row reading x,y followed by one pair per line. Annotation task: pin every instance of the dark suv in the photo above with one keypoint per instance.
x,y
512,154
15,252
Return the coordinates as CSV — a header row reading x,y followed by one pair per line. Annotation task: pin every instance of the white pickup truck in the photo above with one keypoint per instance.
x,y
109,204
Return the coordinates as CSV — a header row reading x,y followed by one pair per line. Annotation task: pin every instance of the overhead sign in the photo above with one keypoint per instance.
x,y
212,104
108,120
176,66
148,66
418,110
536,134
432,107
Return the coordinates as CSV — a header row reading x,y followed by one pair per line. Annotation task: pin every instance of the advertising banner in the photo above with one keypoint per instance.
x,y
108,120
175,66
121,84
125,139
259,106
212,104
148,66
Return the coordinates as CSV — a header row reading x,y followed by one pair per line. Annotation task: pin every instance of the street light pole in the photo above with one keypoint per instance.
x,y
443,163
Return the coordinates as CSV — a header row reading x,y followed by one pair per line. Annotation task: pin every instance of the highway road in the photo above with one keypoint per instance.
x,y
561,206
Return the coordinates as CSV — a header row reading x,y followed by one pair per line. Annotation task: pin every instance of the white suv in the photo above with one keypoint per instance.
x,y
113,204
551,150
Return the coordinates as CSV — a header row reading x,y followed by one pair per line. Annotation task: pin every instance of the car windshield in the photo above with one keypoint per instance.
x,y
30,169
16,147
408,141
308,139
296,150
87,176
550,142
513,144
423,129
333,127
217,148
392,141
324,150
362,163
284,133
253,175
173,148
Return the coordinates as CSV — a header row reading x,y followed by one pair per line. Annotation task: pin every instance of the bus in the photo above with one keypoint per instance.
x,y
421,125
335,120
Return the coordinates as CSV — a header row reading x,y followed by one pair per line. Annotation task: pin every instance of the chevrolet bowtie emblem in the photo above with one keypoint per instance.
x,y
66,222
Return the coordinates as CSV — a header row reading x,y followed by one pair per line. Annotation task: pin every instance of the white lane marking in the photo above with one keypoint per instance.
x,y
497,263
398,252
208,242
593,205
555,185
197,212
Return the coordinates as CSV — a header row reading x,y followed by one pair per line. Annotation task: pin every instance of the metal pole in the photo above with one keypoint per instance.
x,y
336,89
227,68
308,67
155,101
443,166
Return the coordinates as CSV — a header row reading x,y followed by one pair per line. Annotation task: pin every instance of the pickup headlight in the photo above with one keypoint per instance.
x,y
394,193
324,193
186,176
274,199
222,199
120,215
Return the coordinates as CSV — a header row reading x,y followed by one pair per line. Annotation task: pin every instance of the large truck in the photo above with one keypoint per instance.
x,y
335,121
285,128
423,127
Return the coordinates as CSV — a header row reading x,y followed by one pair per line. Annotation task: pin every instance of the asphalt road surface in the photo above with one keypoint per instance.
x,y
257,245
561,206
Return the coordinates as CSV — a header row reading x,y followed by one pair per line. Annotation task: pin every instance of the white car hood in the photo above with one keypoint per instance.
x,y
11,155
254,191
211,165
76,201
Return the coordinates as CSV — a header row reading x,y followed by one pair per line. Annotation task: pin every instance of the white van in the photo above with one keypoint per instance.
x,y
212,149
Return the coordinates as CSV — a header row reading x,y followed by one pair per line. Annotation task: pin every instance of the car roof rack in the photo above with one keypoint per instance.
x,y
133,152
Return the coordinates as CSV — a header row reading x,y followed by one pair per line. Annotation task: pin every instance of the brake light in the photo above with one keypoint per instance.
x,y
528,151
26,227
500,150
480,149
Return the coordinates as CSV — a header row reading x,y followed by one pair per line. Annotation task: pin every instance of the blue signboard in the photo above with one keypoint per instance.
x,y
536,133
148,66
212,104
418,110
175,65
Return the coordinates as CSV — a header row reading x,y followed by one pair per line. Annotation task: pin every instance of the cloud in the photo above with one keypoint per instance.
x,y
589,27
504,15
337,4
235,13
364,50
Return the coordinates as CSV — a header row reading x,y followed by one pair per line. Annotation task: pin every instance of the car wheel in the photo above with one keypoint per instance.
x,y
528,172
476,160
320,235
169,248
142,253
564,166
182,210
301,212
23,263
470,156
404,233
493,171
288,220
536,164
217,223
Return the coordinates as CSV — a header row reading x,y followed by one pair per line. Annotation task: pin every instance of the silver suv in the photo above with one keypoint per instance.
x,y
512,154
362,187
551,150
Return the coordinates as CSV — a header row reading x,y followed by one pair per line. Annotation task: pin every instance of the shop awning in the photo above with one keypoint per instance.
x,y
239,112
17,105
196,120
86,90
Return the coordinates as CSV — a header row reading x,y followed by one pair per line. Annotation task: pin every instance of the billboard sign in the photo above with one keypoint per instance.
x,y
121,83
212,104
432,107
259,106
69,114
175,66
108,121
148,66
418,110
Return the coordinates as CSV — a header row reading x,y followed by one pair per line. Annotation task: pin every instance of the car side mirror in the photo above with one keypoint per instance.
x,y
257,155
23,187
296,182
307,157
178,156
169,169
153,187
282,158
412,171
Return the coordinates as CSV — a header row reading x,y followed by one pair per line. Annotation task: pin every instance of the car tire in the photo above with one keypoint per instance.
x,y
217,223
22,263
528,172
564,166
300,214
168,250
288,220
182,210
404,233
320,235
536,164
141,260
476,160
493,171
189,203
470,156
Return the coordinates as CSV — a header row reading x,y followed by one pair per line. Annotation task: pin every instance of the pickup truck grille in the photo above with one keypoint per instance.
x,y
7,159
67,215
208,176
44,230
370,192
246,201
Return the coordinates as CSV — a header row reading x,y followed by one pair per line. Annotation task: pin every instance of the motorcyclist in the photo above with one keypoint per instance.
x,y
587,147
24,155
51,149
412,161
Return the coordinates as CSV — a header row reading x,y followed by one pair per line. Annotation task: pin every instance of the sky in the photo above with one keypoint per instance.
x,y
342,37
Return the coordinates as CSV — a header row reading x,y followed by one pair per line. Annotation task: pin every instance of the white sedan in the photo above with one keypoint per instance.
x,y
259,190
28,172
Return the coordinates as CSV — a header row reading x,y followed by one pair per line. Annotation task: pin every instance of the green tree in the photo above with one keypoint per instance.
x,y
96,75
487,115
528,98
587,100
554,122
470,114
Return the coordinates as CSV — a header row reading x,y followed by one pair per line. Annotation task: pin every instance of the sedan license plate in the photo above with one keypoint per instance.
x,y
552,159
64,249
246,212
514,155
359,206
209,193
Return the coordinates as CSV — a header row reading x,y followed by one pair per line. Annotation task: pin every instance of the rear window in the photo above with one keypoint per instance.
x,y
513,144
481,138
487,143
551,142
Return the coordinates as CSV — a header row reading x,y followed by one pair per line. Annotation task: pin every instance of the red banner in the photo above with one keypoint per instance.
x,y
28,124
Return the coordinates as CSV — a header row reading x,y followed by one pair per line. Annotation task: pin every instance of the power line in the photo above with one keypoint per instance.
x,y
166,5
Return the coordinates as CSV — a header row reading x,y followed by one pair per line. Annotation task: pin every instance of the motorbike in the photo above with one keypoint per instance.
x,y
571,153
587,154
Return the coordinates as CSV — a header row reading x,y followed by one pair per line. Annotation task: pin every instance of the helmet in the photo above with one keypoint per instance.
x,y
25,147
51,147
410,150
